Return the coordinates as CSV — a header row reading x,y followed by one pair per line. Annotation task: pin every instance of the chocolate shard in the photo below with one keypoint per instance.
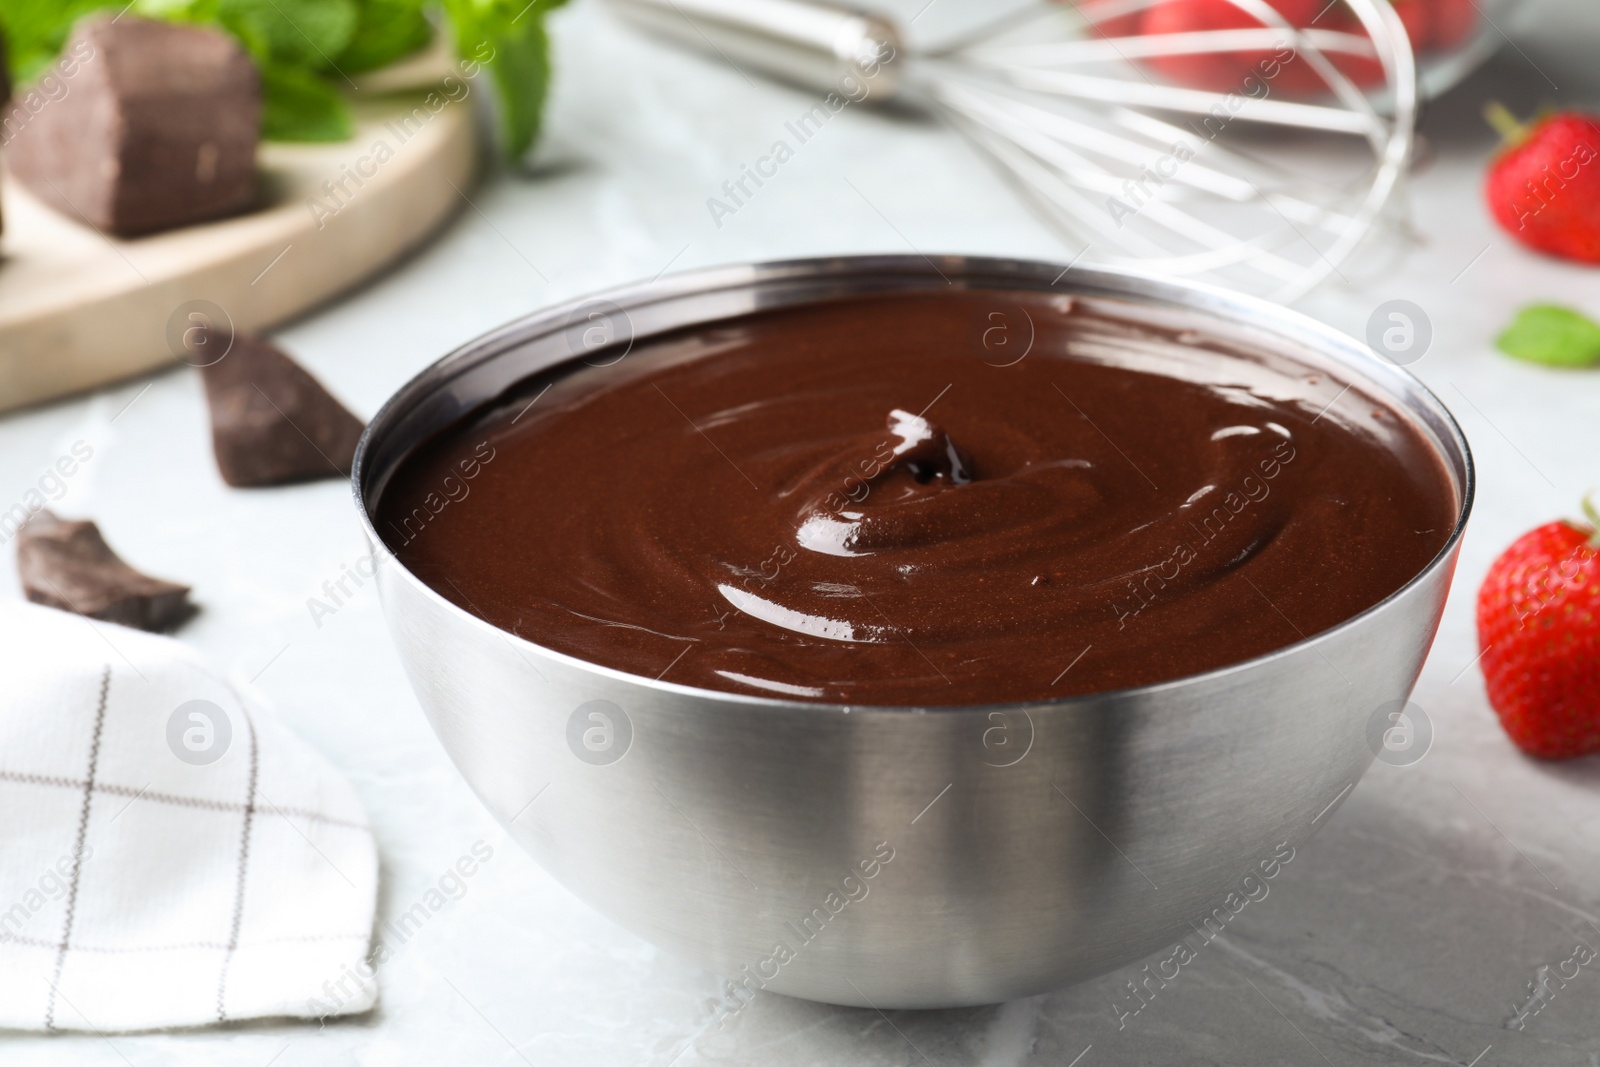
x,y
272,423
68,565
158,127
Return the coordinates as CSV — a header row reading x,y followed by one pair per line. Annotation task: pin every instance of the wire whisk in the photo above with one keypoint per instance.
x,y
1248,154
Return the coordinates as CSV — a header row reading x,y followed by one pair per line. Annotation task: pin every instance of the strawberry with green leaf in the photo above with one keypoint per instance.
x,y
1539,632
1544,186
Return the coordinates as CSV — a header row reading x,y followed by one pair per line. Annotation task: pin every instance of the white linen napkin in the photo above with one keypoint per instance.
x,y
169,855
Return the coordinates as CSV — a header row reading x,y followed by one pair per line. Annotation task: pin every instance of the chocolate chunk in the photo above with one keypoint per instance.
x,y
271,422
68,565
157,128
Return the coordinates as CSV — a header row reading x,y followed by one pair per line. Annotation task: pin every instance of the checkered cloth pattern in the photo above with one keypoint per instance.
x,y
169,855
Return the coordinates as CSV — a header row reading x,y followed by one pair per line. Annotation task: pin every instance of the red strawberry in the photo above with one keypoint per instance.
x,y
1415,15
1544,186
1109,25
1539,631
1451,23
1226,72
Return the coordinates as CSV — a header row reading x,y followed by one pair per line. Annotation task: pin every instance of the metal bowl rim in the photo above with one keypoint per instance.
x,y
1256,312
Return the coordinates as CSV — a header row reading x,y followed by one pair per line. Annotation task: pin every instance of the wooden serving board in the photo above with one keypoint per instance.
x,y
78,308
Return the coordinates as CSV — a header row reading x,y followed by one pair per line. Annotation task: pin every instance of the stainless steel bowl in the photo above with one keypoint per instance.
x,y
902,857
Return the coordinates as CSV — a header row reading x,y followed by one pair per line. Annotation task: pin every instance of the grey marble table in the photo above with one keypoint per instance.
x,y
1407,932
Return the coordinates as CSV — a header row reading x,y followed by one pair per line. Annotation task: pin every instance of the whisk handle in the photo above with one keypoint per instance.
x,y
812,43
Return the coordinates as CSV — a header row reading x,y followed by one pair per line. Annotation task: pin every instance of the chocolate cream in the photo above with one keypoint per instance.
x,y
959,497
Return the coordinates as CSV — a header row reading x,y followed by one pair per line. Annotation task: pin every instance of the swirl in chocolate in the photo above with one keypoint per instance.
x,y
860,502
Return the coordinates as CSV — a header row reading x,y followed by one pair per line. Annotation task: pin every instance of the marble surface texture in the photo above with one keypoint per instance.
x,y
1404,933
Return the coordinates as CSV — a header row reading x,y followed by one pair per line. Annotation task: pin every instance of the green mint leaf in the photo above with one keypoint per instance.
x,y
178,10
1552,335
299,105
508,39
35,30
291,33
387,30
521,73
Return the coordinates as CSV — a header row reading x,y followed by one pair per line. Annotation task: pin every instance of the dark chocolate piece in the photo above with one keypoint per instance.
x,y
158,128
271,422
68,565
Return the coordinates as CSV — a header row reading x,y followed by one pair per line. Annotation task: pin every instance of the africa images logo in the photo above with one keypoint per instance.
x,y
199,732
599,732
